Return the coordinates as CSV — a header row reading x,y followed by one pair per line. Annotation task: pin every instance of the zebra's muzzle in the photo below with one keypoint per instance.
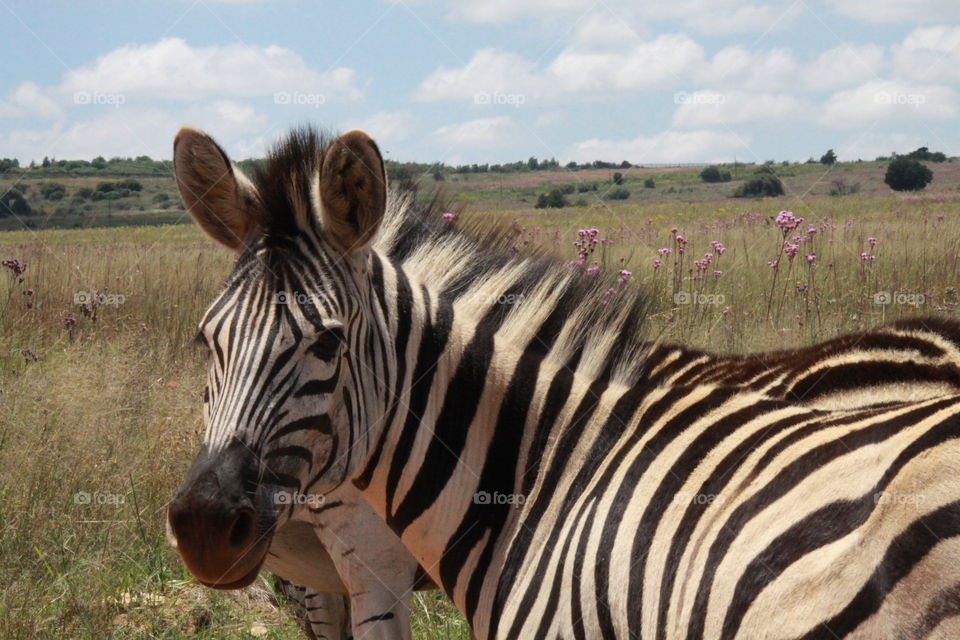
x,y
221,521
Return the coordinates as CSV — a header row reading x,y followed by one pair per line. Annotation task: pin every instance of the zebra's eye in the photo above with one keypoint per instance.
x,y
327,344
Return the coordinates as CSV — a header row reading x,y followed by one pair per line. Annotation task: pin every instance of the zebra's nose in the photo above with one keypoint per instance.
x,y
214,520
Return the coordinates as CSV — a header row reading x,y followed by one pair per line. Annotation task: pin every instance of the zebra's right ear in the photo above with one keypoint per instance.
x,y
219,198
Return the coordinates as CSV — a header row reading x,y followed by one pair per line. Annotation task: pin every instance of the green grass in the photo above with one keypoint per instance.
x,y
112,405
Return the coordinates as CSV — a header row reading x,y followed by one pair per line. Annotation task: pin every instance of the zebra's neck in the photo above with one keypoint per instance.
x,y
469,416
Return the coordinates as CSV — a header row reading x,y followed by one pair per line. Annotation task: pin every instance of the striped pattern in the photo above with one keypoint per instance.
x,y
922,356
637,504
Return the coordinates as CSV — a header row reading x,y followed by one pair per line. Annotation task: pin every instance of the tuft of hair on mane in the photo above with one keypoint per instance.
x,y
535,297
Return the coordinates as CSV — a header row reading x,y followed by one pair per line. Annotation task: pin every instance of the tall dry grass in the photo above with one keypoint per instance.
x,y
100,406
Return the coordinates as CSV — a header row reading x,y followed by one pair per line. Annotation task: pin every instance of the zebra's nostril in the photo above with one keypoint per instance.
x,y
242,530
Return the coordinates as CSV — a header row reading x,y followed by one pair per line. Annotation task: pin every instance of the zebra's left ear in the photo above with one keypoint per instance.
x,y
353,191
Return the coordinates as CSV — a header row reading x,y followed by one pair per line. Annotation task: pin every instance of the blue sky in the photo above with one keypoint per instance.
x,y
492,81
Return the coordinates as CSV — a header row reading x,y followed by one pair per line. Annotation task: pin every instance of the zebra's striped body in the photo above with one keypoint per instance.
x,y
401,374
905,361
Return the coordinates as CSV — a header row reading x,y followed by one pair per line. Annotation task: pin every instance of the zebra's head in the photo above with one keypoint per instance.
x,y
284,383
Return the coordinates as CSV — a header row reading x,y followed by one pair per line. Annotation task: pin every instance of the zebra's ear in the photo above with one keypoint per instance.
x,y
219,198
353,190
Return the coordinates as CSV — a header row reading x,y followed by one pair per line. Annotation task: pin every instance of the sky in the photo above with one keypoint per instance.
x,y
488,81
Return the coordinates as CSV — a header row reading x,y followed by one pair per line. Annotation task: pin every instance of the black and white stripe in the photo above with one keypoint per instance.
x,y
656,502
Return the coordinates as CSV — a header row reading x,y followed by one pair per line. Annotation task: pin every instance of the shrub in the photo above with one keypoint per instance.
x,y
13,203
52,190
161,197
567,189
923,153
617,194
583,187
130,184
714,174
649,184
553,199
906,174
617,178
83,193
828,158
764,183
105,187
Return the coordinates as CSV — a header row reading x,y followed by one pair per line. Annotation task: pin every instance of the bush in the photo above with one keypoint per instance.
x,y
161,197
714,174
906,174
567,189
618,178
83,193
923,153
764,183
553,199
649,184
13,203
828,158
52,190
130,184
583,187
105,187
617,194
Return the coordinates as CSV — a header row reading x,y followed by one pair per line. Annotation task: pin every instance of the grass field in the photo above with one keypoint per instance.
x,y
100,385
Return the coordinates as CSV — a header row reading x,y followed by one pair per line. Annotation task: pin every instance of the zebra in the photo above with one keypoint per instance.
x,y
907,360
430,397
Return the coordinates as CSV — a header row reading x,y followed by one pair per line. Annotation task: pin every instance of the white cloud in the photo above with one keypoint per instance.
x,y
667,146
136,130
704,109
171,69
706,16
897,11
888,100
482,133
577,73
548,119
844,66
929,54
643,65
489,71
744,69
387,126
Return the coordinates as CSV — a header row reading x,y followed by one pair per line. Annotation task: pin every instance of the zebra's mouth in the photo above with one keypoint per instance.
x,y
244,581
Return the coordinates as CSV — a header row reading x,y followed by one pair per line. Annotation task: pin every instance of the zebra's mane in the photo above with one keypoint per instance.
x,y
535,298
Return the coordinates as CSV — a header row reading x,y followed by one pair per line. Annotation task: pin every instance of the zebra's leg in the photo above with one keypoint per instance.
x,y
322,616
376,568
